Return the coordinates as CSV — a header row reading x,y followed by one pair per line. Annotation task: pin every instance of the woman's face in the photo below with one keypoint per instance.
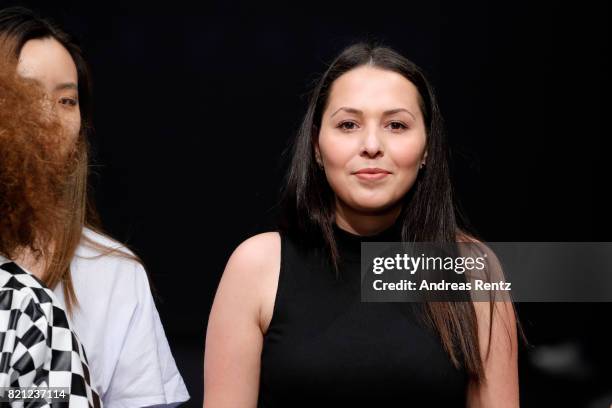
x,y
372,123
47,62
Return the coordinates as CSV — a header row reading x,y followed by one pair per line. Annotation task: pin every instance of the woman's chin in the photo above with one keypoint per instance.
x,y
373,205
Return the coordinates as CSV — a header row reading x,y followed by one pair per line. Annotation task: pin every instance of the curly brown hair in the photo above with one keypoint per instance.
x,y
35,167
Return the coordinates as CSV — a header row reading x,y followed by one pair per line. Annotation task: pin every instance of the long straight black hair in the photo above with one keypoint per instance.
x,y
429,212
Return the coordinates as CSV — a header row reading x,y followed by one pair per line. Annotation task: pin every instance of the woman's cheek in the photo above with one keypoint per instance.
x,y
72,125
336,178
405,182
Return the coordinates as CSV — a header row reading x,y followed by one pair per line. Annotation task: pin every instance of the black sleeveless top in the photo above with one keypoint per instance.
x,y
325,347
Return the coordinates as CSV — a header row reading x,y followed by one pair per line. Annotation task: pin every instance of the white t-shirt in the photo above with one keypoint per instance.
x,y
119,326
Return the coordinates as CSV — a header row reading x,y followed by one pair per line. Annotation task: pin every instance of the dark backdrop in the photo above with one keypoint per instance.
x,y
194,107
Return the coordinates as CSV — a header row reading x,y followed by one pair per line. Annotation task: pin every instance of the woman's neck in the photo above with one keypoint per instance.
x,y
361,223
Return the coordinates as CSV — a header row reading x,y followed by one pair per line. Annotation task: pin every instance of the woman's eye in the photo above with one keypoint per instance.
x,y
347,125
397,126
68,101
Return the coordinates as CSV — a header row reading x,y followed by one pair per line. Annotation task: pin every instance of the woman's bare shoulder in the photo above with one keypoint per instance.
x,y
464,236
472,245
252,273
256,252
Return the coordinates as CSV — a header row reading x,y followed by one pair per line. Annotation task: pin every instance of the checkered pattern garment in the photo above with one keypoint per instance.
x,y
38,346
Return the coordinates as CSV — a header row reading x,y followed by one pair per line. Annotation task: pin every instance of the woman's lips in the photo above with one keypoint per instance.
x,y
372,174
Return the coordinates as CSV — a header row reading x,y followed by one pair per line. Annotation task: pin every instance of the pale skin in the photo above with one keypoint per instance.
x,y
372,119
47,62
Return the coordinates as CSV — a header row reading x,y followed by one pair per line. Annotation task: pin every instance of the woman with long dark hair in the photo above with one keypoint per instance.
x,y
99,281
287,327
39,346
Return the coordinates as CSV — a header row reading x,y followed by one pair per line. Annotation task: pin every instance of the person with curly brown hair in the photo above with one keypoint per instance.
x,y
100,282
38,346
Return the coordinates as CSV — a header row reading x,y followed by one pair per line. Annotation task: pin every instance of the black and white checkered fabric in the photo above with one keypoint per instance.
x,y
38,346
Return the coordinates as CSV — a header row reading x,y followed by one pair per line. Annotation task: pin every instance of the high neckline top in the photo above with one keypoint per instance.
x,y
326,347
349,244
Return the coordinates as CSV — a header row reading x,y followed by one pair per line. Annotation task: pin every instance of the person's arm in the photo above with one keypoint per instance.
x,y
234,336
501,388
144,373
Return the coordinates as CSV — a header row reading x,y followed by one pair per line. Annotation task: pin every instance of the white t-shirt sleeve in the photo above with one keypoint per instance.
x,y
145,373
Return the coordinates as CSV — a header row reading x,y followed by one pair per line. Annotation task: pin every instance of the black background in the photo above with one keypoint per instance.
x,y
194,107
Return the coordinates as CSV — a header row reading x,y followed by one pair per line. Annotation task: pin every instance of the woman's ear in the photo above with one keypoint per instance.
x,y
318,155
315,130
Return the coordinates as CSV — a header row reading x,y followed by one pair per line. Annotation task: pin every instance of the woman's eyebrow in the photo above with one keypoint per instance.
x,y
66,85
394,111
349,110
385,113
